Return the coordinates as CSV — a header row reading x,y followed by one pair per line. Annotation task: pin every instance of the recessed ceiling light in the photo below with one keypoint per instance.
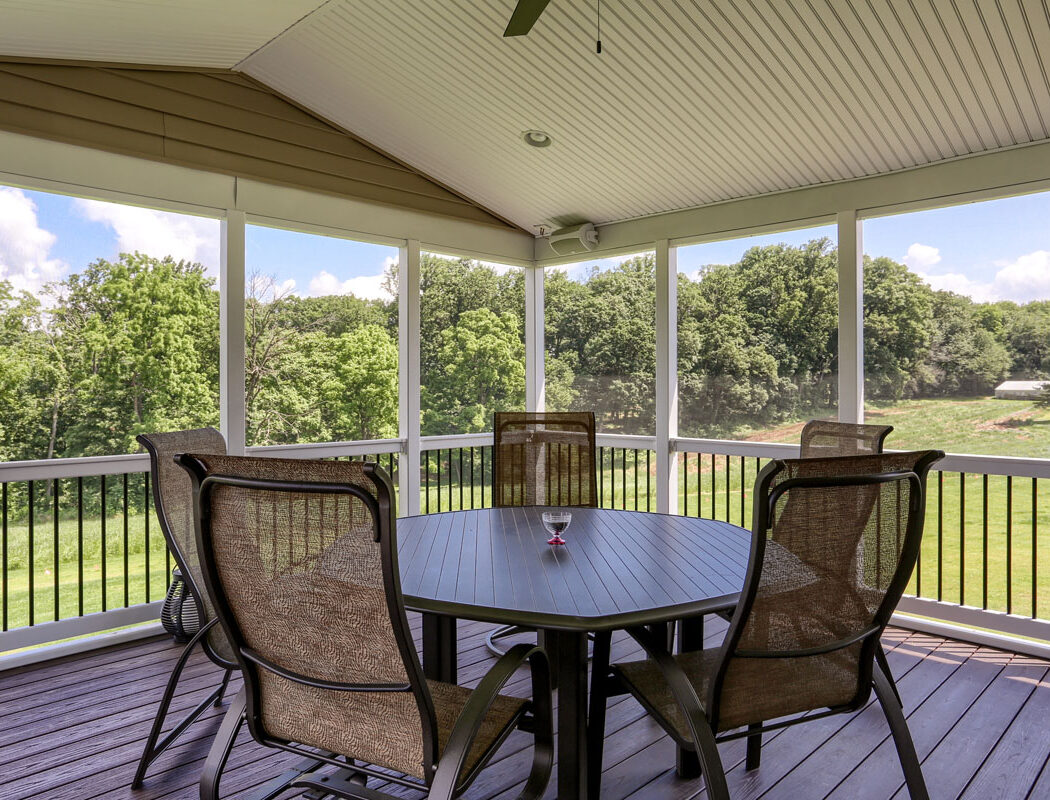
x,y
537,138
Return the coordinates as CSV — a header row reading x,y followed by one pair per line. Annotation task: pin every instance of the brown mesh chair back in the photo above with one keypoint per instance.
x,y
173,498
824,438
300,560
834,544
544,459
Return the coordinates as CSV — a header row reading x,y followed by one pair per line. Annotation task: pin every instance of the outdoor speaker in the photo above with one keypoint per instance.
x,y
574,239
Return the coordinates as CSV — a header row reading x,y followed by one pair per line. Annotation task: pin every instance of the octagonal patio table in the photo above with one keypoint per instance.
x,y
619,569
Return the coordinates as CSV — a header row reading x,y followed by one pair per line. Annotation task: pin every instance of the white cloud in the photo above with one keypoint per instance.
x,y
1027,278
921,256
158,233
960,284
1023,280
369,287
25,247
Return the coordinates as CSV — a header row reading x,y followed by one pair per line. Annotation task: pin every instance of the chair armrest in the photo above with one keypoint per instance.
x,y
481,699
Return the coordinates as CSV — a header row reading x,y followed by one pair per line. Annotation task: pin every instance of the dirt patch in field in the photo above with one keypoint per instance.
x,y
777,433
1011,422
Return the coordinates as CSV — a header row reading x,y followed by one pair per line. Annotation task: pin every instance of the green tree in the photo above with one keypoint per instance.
x,y
482,370
358,390
898,320
138,339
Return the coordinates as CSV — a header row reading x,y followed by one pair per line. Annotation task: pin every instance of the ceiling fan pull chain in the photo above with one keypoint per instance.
x,y
599,43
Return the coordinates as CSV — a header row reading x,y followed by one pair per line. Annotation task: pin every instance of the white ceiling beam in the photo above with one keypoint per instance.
x,y
1016,170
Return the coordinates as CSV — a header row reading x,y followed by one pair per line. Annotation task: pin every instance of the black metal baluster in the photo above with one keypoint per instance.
x,y
55,553
984,548
32,559
426,481
729,475
145,505
649,496
460,480
127,599
3,548
472,477
699,486
102,483
601,477
685,485
714,487
1035,547
623,475
482,476
940,534
743,482
1009,544
962,538
636,479
80,547
439,479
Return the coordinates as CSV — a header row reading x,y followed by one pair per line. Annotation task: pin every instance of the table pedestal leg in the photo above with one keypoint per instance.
x,y
690,637
572,714
439,648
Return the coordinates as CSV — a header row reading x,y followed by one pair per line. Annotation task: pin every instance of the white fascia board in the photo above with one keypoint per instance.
x,y
1001,173
433,232
45,165
31,163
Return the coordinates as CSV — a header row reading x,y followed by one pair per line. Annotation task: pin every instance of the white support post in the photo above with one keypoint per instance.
x,y
408,376
232,412
851,317
666,377
535,375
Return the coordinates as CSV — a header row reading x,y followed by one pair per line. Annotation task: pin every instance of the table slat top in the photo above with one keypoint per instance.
x,y
619,568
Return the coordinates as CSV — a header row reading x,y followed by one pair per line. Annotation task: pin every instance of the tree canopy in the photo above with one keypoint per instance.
x,y
131,345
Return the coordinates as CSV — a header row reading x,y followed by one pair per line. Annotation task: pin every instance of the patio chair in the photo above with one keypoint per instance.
x,y
173,500
541,459
822,438
300,562
833,546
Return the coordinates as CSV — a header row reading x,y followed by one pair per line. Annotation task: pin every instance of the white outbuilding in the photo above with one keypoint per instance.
x,y
1020,390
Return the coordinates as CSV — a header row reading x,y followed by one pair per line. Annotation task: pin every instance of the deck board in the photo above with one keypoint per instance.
x,y
74,728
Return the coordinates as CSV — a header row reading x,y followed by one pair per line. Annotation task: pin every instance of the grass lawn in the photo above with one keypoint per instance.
x,y
951,565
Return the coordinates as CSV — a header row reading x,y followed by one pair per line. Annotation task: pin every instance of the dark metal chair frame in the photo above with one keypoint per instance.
x,y
154,744
865,439
442,769
702,715
500,421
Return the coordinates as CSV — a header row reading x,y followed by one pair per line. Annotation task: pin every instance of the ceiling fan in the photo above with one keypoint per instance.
x,y
526,12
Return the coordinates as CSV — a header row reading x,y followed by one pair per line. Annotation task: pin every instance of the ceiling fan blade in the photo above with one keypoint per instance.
x,y
524,17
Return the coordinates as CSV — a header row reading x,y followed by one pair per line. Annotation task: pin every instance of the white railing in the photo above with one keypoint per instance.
x,y
924,612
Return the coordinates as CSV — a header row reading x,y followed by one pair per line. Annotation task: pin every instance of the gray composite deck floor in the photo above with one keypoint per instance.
x,y
981,720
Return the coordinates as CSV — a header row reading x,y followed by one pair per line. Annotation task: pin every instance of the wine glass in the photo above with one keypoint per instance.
x,y
556,522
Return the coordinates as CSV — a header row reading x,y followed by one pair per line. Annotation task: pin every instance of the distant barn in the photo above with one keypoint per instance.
x,y
1020,390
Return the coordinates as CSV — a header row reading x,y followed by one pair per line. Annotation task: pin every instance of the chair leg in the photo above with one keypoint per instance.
x,y
596,712
891,707
754,748
221,747
152,748
884,665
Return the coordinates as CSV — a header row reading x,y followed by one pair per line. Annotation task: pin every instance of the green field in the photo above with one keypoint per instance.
x,y
951,564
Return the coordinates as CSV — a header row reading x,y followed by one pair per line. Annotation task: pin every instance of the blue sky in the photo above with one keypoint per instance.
x,y
992,250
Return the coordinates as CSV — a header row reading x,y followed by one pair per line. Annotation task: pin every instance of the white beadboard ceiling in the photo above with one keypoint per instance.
x,y
691,102
202,33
